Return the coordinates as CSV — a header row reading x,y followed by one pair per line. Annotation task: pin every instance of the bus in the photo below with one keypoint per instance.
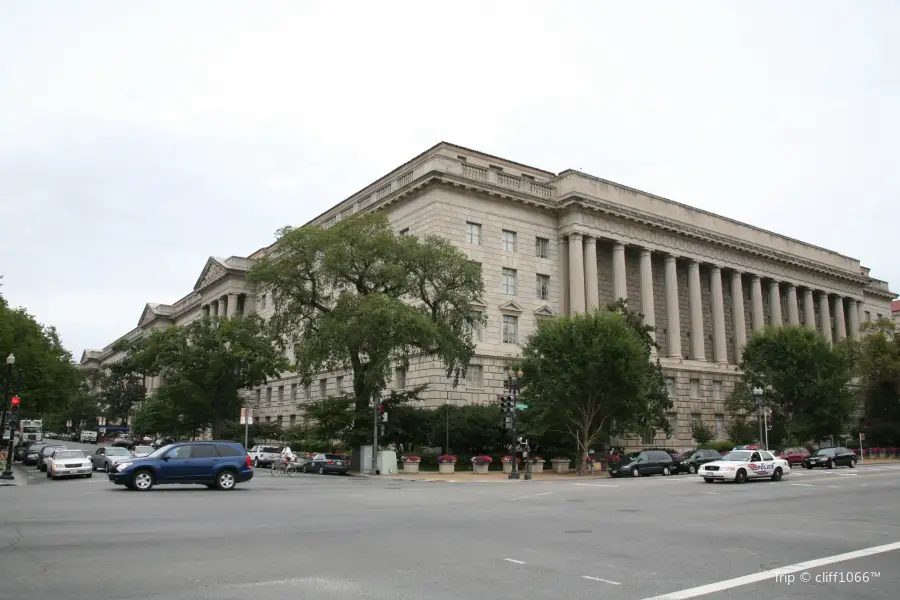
x,y
31,430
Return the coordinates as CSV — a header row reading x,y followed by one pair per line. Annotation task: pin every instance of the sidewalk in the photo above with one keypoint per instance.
x,y
18,478
491,477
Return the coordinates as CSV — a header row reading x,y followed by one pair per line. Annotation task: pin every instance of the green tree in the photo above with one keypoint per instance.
x,y
206,363
360,297
48,377
473,429
121,389
805,382
157,415
701,432
331,418
878,367
591,376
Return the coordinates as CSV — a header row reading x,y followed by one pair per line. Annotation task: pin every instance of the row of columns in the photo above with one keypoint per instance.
x,y
584,296
225,306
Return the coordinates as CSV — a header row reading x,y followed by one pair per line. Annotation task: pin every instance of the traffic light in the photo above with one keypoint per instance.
x,y
382,416
13,418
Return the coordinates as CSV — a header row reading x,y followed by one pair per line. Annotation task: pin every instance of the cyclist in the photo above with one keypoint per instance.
x,y
287,456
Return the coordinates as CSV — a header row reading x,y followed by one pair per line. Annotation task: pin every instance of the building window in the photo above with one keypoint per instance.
x,y
279,419
509,282
475,376
262,301
280,394
293,420
542,247
671,389
717,390
268,396
695,388
647,436
258,397
400,378
879,315
293,393
323,388
473,233
673,421
509,240
339,384
720,427
510,329
307,392
268,419
478,328
868,317
543,287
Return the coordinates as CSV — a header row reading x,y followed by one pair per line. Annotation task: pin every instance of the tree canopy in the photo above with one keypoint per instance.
x,y
360,297
204,365
805,382
878,367
591,376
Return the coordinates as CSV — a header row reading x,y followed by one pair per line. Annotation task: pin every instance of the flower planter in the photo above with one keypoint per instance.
x,y
410,467
560,465
447,468
507,467
477,468
537,467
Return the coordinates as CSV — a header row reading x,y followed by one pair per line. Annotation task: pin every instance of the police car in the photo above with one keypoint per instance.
x,y
741,465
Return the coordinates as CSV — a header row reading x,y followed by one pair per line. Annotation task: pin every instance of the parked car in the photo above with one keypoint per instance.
x,y
649,462
21,450
741,465
692,460
831,458
142,451
324,464
33,454
794,456
106,457
264,456
217,465
69,463
45,453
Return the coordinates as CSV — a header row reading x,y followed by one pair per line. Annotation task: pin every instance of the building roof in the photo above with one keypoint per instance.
x,y
895,306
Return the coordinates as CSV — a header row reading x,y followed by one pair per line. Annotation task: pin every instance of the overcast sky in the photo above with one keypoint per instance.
x,y
137,139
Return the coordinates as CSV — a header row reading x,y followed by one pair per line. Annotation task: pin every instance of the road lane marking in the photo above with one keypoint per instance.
x,y
531,496
711,493
596,485
512,560
600,579
802,484
728,584
834,487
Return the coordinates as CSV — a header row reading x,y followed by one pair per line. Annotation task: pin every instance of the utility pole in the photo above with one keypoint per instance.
x,y
510,408
379,418
12,418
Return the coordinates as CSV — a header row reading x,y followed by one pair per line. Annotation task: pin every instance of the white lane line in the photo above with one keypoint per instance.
x,y
531,496
802,484
711,493
834,487
600,579
596,485
863,485
728,584
512,560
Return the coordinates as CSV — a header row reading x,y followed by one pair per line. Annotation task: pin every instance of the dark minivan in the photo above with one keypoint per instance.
x,y
691,461
648,462
217,465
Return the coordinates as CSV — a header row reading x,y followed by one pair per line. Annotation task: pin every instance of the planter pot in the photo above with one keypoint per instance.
x,y
507,467
537,467
410,467
601,465
560,465
476,468
882,455
447,468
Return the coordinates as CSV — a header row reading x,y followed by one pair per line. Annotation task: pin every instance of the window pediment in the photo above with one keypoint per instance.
x,y
510,307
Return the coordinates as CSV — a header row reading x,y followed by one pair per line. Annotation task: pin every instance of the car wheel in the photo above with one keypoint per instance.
x,y
255,463
852,463
692,470
89,475
48,475
741,477
635,473
321,470
830,464
142,480
666,472
106,467
226,480
809,467
708,479
776,476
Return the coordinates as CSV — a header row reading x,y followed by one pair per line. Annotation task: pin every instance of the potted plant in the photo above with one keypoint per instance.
x,y
507,464
480,464
537,466
446,463
411,464
560,465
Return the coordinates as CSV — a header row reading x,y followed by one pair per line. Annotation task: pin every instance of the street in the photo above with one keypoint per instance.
x,y
331,537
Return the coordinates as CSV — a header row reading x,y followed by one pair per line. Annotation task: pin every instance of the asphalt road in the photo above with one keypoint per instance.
x,y
339,538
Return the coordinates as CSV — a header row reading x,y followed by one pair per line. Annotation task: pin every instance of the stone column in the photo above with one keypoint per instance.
x,y
809,309
647,291
576,274
737,315
695,300
207,310
620,284
591,277
756,306
840,325
775,303
223,305
825,317
232,305
673,314
249,304
793,310
853,316
861,314
720,352
214,308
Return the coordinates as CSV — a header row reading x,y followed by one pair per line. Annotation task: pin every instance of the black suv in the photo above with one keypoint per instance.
x,y
690,461
648,462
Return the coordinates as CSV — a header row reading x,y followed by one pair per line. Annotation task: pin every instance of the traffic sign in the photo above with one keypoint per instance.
x,y
862,436
246,416
521,406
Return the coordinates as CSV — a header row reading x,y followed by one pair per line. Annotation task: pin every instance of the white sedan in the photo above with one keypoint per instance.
x,y
69,463
741,465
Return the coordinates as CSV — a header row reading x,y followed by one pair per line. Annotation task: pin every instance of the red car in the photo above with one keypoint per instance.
x,y
794,456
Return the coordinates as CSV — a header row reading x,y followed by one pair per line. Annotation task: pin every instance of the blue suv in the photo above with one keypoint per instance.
x,y
217,465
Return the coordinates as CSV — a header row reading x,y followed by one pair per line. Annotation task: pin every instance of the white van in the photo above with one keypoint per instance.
x,y
88,437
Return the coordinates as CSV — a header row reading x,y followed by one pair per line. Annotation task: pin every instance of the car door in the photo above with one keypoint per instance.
x,y
768,464
843,457
176,464
202,462
97,457
756,465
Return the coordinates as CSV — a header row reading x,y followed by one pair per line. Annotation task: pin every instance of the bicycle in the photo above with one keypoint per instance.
x,y
287,467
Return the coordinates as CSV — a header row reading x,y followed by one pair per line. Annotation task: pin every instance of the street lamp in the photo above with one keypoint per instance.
x,y
760,416
514,387
11,419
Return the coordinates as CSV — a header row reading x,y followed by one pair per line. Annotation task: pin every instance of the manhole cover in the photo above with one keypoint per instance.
x,y
579,531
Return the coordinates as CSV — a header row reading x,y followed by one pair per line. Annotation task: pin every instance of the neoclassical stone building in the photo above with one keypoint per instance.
x,y
553,244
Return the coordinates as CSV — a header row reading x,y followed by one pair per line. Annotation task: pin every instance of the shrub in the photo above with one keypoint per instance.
x,y
482,460
717,445
446,458
701,432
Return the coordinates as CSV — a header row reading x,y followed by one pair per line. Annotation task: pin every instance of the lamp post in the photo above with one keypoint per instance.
x,y
11,420
757,393
514,380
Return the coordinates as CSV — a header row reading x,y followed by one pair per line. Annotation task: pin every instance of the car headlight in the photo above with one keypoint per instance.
x,y
729,468
123,465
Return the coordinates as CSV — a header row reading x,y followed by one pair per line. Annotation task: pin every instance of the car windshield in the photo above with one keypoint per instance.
x,y
825,452
738,456
114,451
160,451
36,448
271,450
689,454
64,454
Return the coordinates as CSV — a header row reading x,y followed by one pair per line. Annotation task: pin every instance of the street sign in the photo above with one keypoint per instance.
x,y
521,406
862,436
246,416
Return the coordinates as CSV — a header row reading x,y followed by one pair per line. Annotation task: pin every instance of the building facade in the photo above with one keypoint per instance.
x,y
557,244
